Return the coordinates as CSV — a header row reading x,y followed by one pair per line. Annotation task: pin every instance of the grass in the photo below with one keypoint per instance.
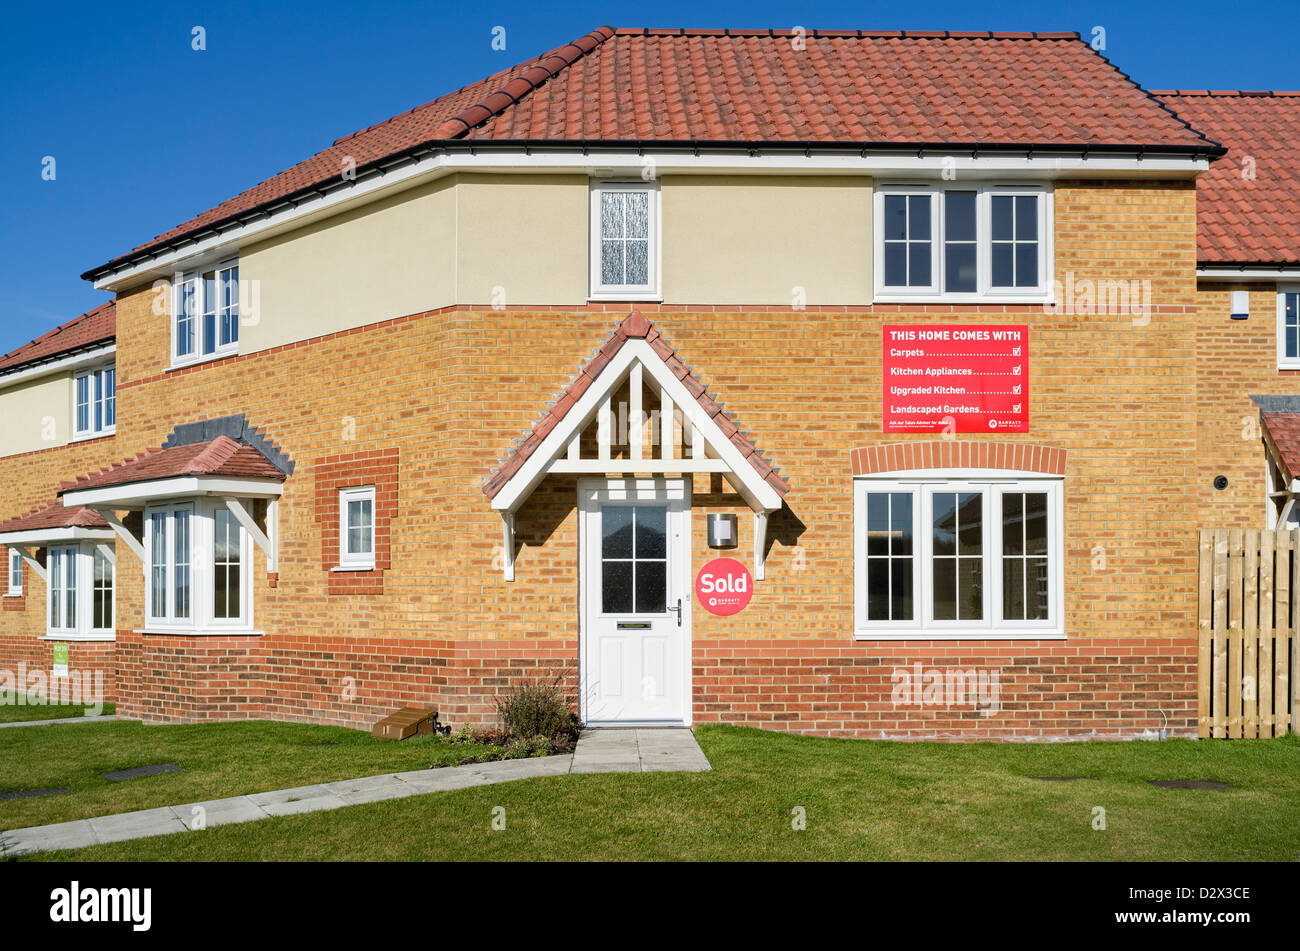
x,y
219,760
863,800
34,709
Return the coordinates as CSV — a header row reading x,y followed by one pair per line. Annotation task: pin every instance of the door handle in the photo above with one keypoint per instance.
x,y
678,610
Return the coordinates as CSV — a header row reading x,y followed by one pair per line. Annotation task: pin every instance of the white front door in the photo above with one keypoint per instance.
x,y
636,602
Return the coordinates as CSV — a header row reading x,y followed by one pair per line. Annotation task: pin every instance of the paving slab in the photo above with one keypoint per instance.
x,y
59,722
136,825
61,835
219,812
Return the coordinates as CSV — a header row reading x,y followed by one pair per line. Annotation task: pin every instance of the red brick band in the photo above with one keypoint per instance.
x,y
952,454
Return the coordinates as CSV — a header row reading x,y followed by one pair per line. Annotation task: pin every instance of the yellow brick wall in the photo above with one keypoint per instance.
x,y
452,390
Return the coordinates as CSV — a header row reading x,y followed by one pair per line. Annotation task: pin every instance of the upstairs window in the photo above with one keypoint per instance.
x,y
625,241
1288,327
970,558
206,314
986,243
95,394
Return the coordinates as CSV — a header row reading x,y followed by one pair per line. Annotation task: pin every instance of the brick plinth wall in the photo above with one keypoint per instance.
x,y
98,657
1083,688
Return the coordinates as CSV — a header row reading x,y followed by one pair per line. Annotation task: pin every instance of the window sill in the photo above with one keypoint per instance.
x,y
1037,300
206,358
12,594
78,637
178,632
1289,366
643,298
354,568
83,437
989,635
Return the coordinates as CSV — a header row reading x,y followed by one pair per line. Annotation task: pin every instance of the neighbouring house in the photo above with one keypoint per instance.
x,y
924,335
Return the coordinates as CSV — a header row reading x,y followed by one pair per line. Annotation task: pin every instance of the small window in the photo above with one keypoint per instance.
x,y
101,607
986,562
206,314
1288,327
357,528
624,241
15,573
975,244
95,394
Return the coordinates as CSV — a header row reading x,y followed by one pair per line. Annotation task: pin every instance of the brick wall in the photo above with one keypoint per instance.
x,y
447,392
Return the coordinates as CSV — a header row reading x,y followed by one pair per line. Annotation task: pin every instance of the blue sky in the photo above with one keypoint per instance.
x,y
145,132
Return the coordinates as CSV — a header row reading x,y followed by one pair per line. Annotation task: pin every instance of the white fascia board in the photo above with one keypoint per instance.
x,y
139,494
42,536
758,493
1248,274
344,194
65,365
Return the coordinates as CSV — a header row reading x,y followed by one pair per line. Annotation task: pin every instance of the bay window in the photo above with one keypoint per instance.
x,y
966,243
199,567
625,241
205,309
79,591
958,558
95,397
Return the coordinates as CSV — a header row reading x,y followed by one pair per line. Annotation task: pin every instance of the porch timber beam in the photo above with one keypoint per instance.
x,y
130,541
264,542
508,539
638,466
635,423
667,425
760,543
37,568
108,551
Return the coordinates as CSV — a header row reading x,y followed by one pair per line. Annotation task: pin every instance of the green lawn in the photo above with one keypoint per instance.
x,y
863,800
34,710
219,760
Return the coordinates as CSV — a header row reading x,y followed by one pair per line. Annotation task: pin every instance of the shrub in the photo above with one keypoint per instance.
x,y
539,709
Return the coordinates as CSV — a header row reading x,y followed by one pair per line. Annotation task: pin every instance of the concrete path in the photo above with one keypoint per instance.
x,y
58,722
598,751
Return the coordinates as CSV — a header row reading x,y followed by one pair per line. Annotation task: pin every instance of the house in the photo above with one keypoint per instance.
x,y
919,343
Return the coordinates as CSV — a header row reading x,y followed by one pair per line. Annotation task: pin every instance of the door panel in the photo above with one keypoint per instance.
x,y
634,573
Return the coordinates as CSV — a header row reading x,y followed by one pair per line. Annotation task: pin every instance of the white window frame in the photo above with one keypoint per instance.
x,y
202,565
200,306
626,292
83,562
14,573
993,484
1285,362
94,378
361,561
985,292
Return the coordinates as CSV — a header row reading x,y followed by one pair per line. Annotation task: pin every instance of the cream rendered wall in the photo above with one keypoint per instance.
x,y
751,240
523,239
390,258
36,414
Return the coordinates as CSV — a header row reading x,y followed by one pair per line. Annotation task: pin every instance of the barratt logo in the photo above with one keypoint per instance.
x,y
77,904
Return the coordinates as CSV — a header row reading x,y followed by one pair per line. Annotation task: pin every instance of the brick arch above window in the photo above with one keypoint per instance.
x,y
955,454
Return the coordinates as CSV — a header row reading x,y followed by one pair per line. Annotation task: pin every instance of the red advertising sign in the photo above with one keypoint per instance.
x,y
724,586
956,378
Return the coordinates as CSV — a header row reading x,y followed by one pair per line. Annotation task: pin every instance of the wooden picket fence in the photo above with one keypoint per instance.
x,y
1248,682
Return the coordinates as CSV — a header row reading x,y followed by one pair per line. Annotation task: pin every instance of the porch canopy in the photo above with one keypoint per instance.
x,y
221,458
665,423
1279,418
51,524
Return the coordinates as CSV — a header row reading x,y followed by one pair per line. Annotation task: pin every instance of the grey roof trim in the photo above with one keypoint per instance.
x,y
237,428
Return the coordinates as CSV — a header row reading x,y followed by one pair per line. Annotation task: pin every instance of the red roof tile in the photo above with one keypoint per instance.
x,y
845,87
54,515
1240,219
1283,430
221,456
94,326
636,326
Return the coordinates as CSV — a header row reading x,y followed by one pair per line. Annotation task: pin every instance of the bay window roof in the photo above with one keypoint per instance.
x,y
53,522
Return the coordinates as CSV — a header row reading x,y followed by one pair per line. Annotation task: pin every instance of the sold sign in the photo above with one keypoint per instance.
x,y
724,586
